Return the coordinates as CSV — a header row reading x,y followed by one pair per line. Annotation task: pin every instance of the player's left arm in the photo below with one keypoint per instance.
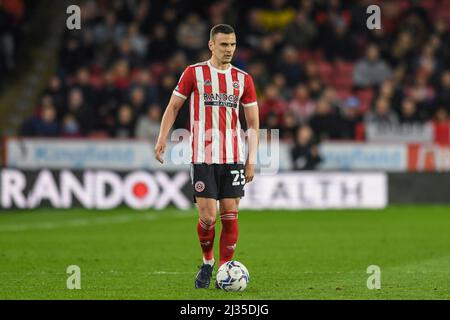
x,y
252,119
251,112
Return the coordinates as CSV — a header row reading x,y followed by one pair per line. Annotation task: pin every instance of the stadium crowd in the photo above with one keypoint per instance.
x,y
320,73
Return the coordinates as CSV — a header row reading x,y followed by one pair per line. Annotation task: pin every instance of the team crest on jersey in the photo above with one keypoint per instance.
x,y
199,186
207,82
235,84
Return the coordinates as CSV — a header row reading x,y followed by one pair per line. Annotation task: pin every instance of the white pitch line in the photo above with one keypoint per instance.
x,y
83,222
170,272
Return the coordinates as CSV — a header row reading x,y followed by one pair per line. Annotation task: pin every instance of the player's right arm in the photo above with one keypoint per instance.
x,y
182,91
167,122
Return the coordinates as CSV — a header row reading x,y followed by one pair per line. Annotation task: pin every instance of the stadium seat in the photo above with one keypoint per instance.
x,y
98,134
365,97
360,132
326,72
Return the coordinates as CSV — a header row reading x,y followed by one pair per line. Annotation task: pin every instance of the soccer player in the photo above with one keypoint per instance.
x,y
215,89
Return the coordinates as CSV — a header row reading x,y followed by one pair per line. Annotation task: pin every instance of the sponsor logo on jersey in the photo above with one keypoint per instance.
x,y
220,100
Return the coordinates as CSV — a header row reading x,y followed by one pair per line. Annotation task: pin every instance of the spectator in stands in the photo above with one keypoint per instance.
x,y
271,103
191,35
82,82
148,125
372,70
389,91
305,155
144,80
44,125
166,85
279,80
271,122
56,92
311,70
330,95
267,51
73,55
301,105
402,51
160,45
138,42
382,114
409,113
70,127
137,101
441,115
351,117
277,15
291,67
109,97
121,75
125,126
126,53
423,95
253,32
301,32
443,97
259,73
177,63
315,88
325,123
46,100
82,113
441,126
340,44
289,127
109,30
426,64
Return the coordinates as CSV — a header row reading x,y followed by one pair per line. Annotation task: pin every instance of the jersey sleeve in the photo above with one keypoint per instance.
x,y
248,98
186,84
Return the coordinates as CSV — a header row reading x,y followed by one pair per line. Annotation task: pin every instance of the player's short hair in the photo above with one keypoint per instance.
x,y
220,28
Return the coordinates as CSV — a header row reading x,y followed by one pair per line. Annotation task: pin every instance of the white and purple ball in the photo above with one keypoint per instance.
x,y
232,276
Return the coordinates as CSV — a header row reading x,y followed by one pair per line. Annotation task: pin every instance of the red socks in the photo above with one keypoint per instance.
x,y
206,234
229,235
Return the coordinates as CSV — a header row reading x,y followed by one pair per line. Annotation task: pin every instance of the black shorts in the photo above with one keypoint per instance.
x,y
218,181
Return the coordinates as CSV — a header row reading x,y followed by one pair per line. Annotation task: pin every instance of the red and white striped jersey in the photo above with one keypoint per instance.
x,y
214,97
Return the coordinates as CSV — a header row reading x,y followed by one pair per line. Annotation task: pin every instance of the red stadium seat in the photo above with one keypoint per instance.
x,y
304,55
360,132
365,97
326,72
343,93
98,134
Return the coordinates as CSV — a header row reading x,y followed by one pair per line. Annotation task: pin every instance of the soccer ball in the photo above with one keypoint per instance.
x,y
232,276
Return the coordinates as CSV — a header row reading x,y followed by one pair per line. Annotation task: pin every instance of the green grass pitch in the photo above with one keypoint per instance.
x,y
127,254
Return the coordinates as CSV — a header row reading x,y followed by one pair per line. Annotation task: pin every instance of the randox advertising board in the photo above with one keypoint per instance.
x,y
103,189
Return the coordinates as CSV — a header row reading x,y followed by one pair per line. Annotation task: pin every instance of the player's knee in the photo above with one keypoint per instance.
x,y
229,205
207,214
209,220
